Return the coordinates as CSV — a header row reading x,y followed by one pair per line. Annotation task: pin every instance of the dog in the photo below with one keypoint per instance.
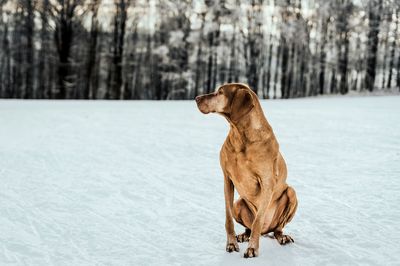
x,y
253,165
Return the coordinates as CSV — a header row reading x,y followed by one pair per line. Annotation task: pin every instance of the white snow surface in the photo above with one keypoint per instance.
x,y
139,183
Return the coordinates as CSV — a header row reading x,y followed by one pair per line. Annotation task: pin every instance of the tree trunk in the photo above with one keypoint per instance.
x,y
210,61
322,56
63,36
199,56
392,53
254,41
278,62
291,76
268,78
215,63
118,51
385,42
333,81
43,86
91,60
29,25
373,40
232,62
6,64
284,68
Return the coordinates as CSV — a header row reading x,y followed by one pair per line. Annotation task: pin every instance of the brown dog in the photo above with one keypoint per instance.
x,y
251,163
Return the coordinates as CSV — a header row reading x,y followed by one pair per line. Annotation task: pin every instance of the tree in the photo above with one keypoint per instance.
x,y
168,49
393,47
5,57
64,15
374,11
90,84
115,85
344,12
44,82
254,43
28,7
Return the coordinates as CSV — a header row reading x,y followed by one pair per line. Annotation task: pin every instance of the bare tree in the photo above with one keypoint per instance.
x,y
254,43
345,8
90,84
44,83
168,49
393,46
28,7
5,57
374,11
115,86
64,15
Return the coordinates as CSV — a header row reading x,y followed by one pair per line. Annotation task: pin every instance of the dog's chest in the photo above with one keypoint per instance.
x,y
243,173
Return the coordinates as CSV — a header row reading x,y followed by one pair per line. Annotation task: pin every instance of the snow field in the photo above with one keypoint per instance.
x,y
139,183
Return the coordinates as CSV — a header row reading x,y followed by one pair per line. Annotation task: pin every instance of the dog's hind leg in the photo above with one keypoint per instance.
x,y
285,210
245,217
244,237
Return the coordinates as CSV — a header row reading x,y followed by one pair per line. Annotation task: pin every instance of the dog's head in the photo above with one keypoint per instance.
x,y
233,100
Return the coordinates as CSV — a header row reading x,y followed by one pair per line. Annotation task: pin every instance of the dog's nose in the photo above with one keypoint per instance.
x,y
197,99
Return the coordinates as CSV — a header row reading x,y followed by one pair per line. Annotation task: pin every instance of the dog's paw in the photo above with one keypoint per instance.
x,y
243,237
284,239
251,253
230,247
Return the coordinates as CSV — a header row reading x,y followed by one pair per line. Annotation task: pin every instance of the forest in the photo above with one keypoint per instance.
x,y
168,49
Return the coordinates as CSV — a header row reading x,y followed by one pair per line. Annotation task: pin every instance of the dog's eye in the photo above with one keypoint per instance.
x,y
220,92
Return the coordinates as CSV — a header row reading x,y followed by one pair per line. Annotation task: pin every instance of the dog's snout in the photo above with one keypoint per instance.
x,y
198,99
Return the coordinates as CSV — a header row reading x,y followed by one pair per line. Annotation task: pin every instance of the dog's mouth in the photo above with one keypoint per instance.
x,y
202,109
202,106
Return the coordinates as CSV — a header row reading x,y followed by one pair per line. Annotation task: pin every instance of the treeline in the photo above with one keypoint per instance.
x,y
167,49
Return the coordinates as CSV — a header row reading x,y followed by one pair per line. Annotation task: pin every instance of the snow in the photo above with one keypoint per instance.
x,y
139,183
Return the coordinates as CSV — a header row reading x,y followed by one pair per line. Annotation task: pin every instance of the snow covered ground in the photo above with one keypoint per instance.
x,y
139,183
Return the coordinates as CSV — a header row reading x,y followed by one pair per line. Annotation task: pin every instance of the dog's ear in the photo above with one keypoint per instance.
x,y
242,103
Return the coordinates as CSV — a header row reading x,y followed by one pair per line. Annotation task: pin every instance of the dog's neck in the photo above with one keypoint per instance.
x,y
251,128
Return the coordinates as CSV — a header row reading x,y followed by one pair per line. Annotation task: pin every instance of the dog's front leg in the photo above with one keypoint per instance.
x,y
254,242
231,242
